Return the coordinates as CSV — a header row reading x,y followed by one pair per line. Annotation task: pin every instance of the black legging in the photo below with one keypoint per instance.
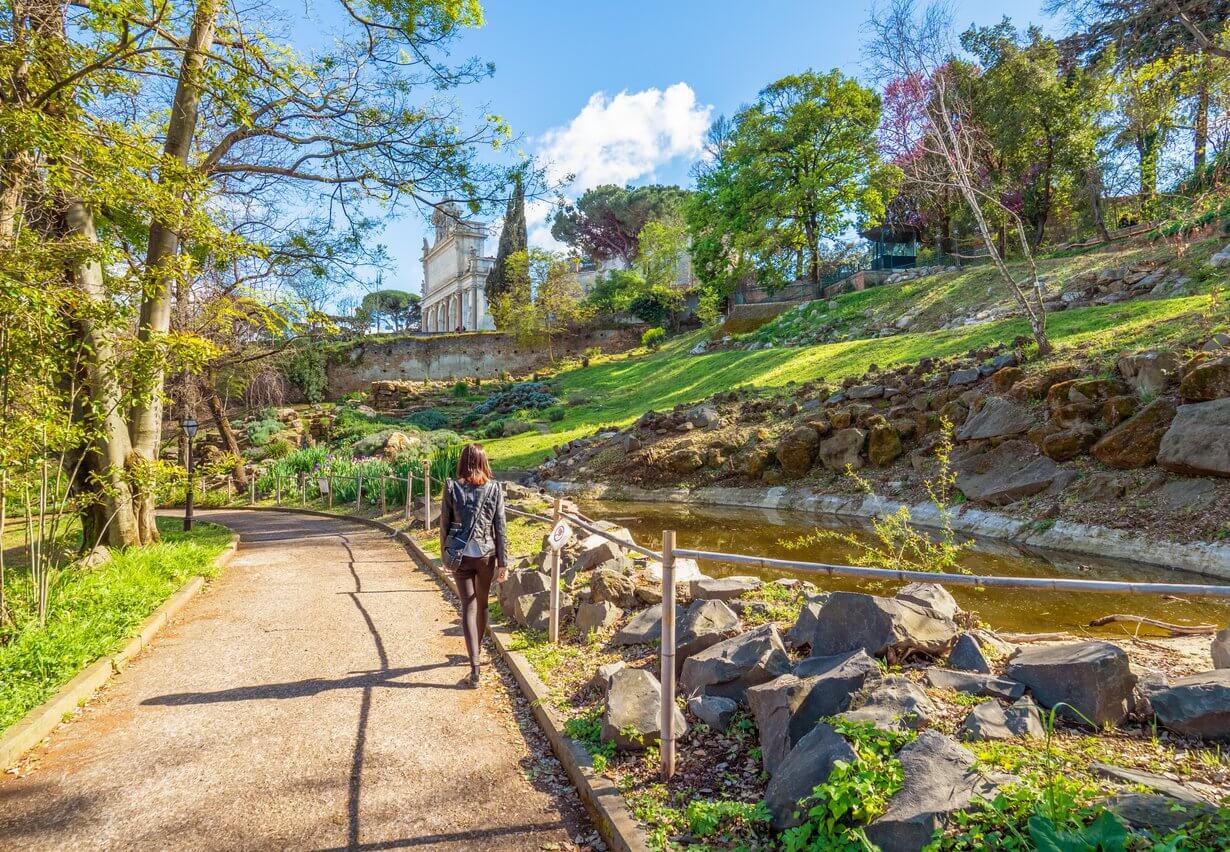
x,y
473,585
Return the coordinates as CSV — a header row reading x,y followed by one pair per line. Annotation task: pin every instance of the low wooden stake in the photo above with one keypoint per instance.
x,y
553,624
668,655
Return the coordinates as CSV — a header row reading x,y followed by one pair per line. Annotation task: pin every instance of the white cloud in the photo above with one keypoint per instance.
x,y
619,140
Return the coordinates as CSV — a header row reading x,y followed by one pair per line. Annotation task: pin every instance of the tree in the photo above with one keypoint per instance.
x,y
605,222
916,52
397,306
544,298
798,166
513,238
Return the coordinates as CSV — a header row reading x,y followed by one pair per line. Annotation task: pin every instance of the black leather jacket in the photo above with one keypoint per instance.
x,y
460,501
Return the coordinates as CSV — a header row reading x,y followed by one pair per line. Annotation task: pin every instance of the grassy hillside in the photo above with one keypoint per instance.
x,y
620,389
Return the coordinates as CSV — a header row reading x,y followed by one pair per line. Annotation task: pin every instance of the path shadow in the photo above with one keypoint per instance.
x,y
452,837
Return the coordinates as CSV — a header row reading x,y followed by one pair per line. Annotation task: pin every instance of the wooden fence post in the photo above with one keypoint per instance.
x,y
553,623
358,498
330,481
252,489
302,488
427,495
668,655
383,495
409,492
277,478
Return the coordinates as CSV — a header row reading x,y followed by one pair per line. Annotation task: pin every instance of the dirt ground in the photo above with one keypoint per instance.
x,y
309,698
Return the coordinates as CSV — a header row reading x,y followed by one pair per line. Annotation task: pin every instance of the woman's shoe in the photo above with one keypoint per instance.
x,y
474,680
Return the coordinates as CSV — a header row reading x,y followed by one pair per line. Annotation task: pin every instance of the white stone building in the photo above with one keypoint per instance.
x,y
455,275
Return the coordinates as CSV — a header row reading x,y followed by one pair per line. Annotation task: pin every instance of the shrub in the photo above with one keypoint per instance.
x,y
261,432
279,449
429,419
556,414
304,366
494,429
653,337
460,390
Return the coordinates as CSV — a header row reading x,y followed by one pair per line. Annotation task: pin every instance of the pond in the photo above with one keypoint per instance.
x,y
762,531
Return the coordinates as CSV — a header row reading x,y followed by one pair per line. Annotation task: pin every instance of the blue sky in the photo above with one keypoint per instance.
x,y
622,92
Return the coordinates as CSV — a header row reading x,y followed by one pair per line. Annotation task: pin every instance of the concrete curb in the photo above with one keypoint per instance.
x,y
32,728
1210,559
604,802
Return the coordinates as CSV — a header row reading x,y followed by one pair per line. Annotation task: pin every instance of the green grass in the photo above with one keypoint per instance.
x,y
93,611
620,390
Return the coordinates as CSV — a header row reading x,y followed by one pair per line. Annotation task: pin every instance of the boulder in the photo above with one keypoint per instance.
x,y
883,444
843,449
608,584
865,392
597,616
1150,372
751,461
1151,780
1068,444
1197,705
998,418
632,718
1207,380
705,623
1007,473
602,676
1091,679
532,610
966,655
1156,813
973,683
1219,650
788,707
732,666
796,450
809,763
1134,442
644,627
939,779
804,627
894,704
851,620
933,596
964,377
724,588
684,460
596,551
714,710
992,721
1196,441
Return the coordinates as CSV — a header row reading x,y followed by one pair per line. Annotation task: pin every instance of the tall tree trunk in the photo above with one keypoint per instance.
x,y
218,411
1146,148
160,258
110,518
1093,180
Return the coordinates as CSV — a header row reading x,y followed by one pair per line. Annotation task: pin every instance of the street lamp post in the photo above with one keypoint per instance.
x,y
189,426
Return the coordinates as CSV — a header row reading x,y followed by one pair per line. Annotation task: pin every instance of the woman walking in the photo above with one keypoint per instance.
x,y
472,543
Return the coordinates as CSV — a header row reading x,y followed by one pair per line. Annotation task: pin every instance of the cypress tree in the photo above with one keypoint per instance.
x,y
512,240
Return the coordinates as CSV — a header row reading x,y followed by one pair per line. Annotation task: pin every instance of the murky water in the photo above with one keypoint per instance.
x,y
761,531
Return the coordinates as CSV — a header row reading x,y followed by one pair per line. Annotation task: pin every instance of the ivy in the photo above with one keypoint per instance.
x,y
304,367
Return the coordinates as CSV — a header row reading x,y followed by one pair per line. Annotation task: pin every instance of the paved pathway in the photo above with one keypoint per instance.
x,y
309,698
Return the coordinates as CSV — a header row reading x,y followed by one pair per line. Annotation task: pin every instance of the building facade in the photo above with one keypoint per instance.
x,y
455,275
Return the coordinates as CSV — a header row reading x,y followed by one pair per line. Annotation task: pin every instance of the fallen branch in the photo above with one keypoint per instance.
x,y
1171,629
1022,638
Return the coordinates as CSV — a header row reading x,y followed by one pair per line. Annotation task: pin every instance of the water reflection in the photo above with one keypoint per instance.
x,y
761,531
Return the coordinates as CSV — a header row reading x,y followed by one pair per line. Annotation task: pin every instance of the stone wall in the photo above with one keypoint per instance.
x,y
448,357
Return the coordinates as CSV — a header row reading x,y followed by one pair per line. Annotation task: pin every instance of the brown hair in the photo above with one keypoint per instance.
x,y
473,466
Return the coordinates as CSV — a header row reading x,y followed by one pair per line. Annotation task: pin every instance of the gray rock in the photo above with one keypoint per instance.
x,y
598,552
1157,813
1220,648
532,610
732,666
1150,372
519,583
1196,442
933,596
1198,705
865,392
1156,783
967,656
714,710
724,588
788,707
644,627
894,704
992,721
597,616
1000,417
805,625
843,449
809,763
705,623
1091,679
964,377
1005,474
602,677
608,584
851,620
974,683
939,779
632,718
